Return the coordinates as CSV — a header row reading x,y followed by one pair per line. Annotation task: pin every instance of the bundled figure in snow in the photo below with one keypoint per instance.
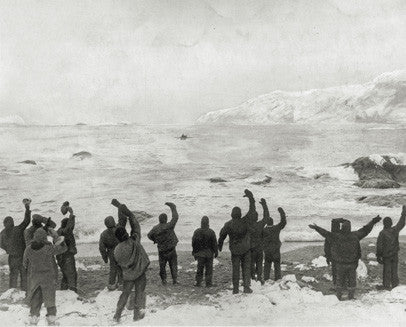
x,y
257,246
204,244
272,242
12,241
134,261
38,221
107,243
387,250
335,228
39,260
164,236
238,230
66,260
346,251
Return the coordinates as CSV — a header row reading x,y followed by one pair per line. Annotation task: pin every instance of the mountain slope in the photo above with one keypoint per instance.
x,y
381,101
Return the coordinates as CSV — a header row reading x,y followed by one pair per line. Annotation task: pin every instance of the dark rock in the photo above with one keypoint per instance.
x,y
217,180
141,215
391,200
317,176
267,180
82,155
28,162
385,175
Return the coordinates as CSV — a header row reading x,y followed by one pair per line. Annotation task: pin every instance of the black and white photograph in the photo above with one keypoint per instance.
x,y
202,163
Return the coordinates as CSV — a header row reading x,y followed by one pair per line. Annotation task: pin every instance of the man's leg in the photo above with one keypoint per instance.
x,y
260,262
340,280
23,274
387,273
173,265
162,267
112,274
352,279
209,271
277,267
253,262
267,266
61,263
14,271
70,272
127,287
36,302
140,297
235,260
51,316
246,266
334,272
394,270
199,271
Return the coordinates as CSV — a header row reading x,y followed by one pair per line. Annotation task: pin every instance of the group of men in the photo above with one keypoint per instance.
x,y
252,242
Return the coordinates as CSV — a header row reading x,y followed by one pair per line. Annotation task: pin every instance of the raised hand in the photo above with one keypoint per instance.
x,y
262,201
313,226
170,205
27,203
281,211
115,203
376,220
248,194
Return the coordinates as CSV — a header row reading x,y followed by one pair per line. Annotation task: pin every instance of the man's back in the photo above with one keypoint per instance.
x,y
204,242
345,247
238,231
271,238
164,235
388,242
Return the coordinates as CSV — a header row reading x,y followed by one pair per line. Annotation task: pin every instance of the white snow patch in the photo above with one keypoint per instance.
x,y
371,256
362,270
153,257
302,267
373,263
80,265
13,295
309,279
319,262
328,277
371,245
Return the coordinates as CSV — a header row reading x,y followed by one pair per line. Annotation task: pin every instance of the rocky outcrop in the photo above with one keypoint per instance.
x,y
141,215
265,181
82,155
217,180
391,200
28,162
379,172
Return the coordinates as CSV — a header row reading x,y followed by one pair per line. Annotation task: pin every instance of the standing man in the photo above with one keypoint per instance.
x,y
39,260
107,243
238,231
204,244
346,251
66,260
387,250
12,241
134,261
272,242
164,236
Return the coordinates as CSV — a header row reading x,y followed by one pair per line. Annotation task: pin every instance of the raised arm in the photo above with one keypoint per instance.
x,y
135,227
282,223
70,225
401,223
321,231
122,217
252,212
267,218
27,215
175,215
222,237
364,231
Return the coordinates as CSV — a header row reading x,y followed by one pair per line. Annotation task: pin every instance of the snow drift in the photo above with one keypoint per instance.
x,y
12,120
381,101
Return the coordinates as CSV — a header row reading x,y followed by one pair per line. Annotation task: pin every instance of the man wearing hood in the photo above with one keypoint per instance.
x,y
346,251
134,261
387,250
272,242
257,249
204,244
12,241
107,243
38,221
164,235
238,230
66,260
39,260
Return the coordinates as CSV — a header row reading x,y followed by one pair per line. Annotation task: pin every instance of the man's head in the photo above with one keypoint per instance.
x,y
64,222
8,222
205,222
335,225
163,218
121,234
346,226
64,207
109,222
37,220
236,213
270,221
387,222
40,236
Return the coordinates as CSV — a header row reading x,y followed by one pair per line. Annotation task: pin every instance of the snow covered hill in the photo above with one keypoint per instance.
x,y
381,101
13,119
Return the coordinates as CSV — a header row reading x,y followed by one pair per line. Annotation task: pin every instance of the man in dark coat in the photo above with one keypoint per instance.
x,y
164,236
134,261
335,228
272,242
39,260
66,260
12,241
387,250
204,244
107,243
238,230
346,251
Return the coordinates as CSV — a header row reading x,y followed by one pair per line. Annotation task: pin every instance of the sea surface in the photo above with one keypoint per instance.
x,y
146,166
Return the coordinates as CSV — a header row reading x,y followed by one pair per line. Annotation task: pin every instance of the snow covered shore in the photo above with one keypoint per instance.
x,y
286,302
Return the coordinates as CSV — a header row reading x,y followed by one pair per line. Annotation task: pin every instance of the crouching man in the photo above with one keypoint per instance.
x,y
42,273
133,260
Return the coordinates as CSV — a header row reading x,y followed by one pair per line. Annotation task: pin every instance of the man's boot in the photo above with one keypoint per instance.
x,y
163,281
236,290
33,320
51,321
351,294
247,290
139,314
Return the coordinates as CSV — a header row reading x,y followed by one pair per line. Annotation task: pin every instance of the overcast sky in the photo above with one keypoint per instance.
x,y
171,61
